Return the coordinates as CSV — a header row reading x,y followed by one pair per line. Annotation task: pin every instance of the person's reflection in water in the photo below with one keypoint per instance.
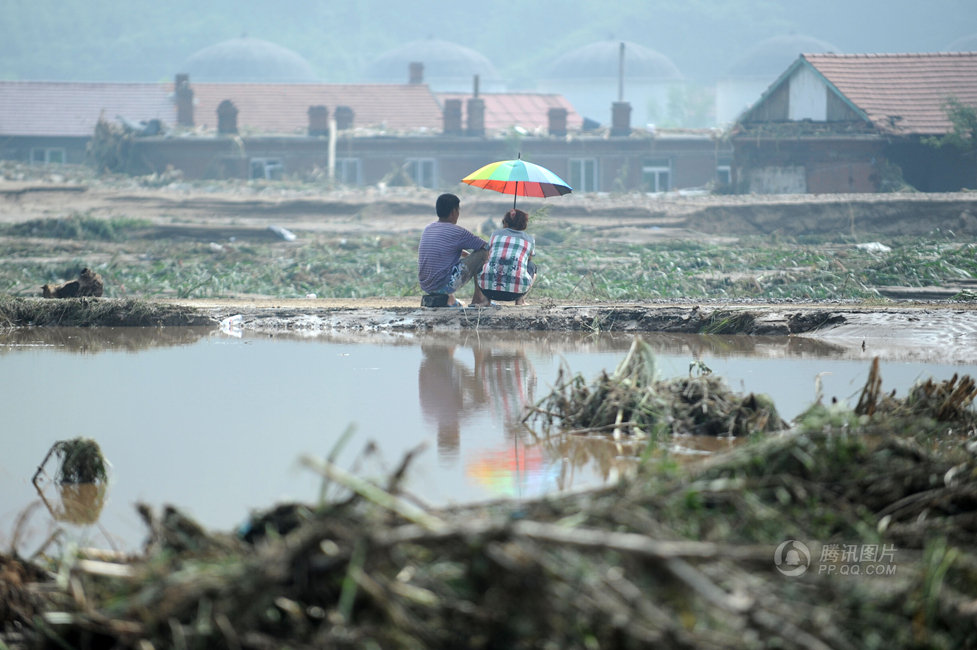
x,y
509,380
448,393
503,381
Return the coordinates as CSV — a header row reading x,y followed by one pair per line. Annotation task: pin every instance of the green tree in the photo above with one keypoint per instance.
x,y
963,132
963,135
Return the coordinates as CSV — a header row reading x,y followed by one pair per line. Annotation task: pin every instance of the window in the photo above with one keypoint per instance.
x,y
347,171
422,171
656,174
583,174
267,168
724,173
48,155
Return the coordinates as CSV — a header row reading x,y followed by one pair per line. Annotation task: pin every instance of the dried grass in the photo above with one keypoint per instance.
x,y
675,558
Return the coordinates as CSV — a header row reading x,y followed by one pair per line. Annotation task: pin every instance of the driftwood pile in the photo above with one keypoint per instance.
x,y
632,401
88,284
673,557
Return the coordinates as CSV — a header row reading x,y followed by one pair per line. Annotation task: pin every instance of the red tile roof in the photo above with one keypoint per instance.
x,y
58,108
902,93
528,110
283,108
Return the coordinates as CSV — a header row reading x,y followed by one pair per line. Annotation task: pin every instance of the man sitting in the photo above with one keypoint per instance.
x,y
443,263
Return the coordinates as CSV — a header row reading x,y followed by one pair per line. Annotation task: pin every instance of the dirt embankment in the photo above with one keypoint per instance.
x,y
408,209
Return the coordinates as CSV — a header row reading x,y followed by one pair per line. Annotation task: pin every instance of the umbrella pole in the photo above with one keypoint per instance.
x,y
515,195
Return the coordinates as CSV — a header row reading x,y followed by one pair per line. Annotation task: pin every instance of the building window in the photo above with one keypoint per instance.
x,y
724,174
48,155
656,174
583,174
267,168
348,172
422,171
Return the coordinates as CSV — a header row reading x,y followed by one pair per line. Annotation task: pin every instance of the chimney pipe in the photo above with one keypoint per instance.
x,y
557,121
621,118
475,86
184,100
452,117
476,117
620,74
415,72
344,118
226,117
318,120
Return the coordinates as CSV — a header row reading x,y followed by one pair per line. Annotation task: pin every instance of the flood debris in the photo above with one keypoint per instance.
x,y
96,312
672,556
282,233
632,401
88,284
79,460
81,479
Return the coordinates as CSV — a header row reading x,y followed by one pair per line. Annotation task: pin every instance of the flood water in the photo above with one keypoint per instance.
x,y
215,424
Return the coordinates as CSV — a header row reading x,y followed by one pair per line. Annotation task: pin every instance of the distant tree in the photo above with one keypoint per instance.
x,y
963,136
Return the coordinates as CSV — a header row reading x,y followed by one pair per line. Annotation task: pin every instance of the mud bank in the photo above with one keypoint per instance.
x,y
919,331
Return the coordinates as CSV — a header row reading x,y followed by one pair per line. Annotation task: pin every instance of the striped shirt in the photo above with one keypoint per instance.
x,y
439,251
508,260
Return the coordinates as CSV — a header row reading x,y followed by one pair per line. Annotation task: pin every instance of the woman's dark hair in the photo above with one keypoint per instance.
x,y
515,219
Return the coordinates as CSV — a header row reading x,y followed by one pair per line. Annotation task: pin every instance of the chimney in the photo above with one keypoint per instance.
x,y
318,120
184,100
476,112
344,118
452,117
226,117
620,74
415,72
557,121
621,118
476,117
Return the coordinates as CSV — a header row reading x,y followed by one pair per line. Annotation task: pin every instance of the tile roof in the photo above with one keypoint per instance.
x,y
902,93
58,108
528,110
283,108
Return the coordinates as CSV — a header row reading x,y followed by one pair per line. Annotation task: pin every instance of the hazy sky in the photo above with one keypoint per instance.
x,y
139,40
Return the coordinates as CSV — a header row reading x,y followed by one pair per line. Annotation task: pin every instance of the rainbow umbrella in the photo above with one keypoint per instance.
x,y
518,178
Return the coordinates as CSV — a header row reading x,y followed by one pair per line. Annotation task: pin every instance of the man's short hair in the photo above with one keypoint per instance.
x,y
446,204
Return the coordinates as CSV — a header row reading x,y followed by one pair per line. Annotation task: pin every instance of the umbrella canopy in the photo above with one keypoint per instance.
x,y
519,178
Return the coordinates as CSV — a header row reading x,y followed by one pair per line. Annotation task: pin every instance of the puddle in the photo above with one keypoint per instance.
x,y
216,424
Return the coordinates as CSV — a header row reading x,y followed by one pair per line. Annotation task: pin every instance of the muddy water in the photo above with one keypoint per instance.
x,y
215,424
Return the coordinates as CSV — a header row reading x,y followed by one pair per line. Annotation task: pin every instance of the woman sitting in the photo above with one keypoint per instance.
x,y
509,272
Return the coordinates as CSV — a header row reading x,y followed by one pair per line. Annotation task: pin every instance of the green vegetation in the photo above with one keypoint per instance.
x,y
80,460
963,134
83,227
575,264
